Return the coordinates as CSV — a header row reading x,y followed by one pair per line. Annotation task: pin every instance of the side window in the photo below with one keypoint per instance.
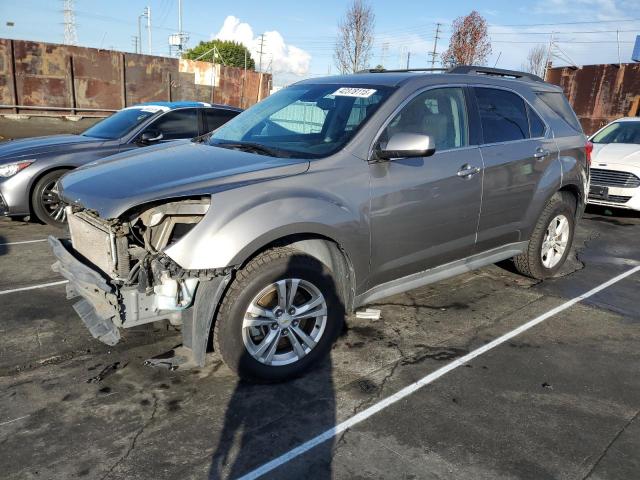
x,y
440,113
300,117
177,124
536,125
503,115
217,117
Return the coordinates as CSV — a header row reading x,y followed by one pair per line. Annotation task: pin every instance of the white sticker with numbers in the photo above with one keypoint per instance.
x,y
354,92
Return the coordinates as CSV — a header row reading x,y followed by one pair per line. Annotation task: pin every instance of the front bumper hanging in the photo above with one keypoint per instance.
x,y
99,307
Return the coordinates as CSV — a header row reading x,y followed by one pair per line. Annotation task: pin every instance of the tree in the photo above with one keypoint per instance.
x,y
355,37
536,61
469,44
230,53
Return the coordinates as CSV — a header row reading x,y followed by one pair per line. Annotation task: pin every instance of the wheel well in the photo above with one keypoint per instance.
x,y
38,178
326,251
575,193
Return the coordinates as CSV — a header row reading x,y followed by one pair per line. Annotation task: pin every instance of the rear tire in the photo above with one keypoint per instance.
x,y
279,316
45,202
551,240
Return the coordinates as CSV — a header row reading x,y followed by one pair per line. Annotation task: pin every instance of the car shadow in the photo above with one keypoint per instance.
x,y
264,421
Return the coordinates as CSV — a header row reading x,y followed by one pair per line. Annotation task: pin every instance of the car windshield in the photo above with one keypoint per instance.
x,y
307,121
619,132
122,122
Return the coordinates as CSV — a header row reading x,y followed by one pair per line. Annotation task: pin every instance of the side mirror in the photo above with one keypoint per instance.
x,y
150,136
407,145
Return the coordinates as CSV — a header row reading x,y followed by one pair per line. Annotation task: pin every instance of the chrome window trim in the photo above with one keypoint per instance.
x,y
500,87
411,97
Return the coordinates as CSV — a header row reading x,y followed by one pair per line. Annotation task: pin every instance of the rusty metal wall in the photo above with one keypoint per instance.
x,y
599,93
82,80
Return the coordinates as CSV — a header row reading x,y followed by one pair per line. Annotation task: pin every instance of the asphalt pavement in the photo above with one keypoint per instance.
x,y
557,399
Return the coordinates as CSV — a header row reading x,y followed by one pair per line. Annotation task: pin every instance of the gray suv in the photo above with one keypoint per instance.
x,y
330,194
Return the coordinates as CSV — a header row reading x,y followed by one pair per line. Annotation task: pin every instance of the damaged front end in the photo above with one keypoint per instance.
x,y
119,269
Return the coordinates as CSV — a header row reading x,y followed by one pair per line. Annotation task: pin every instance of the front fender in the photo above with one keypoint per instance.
x,y
228,236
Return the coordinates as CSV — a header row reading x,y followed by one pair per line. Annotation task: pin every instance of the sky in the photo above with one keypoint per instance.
x,y
299,36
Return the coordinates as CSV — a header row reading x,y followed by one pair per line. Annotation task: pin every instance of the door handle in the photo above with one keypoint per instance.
x,y
541,153
467,171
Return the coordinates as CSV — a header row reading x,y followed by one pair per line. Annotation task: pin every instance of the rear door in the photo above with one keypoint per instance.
x,y
424,211
517,149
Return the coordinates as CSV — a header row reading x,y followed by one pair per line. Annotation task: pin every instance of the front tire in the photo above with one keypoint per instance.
x,y
45,201
279,316
551,240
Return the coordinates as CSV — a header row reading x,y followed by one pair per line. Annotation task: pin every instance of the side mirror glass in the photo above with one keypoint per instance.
x,y
150,136
407,145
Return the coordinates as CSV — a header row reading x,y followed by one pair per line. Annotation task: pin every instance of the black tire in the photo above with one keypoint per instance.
x,y
45,203
530,262
262,271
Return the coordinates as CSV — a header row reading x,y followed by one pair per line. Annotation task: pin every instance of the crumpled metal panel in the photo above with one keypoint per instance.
x,y
599,94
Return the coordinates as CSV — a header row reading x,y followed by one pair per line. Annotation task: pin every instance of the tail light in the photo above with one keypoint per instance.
x,y
588,150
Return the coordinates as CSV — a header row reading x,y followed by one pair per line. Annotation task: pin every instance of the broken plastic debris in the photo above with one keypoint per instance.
x,y
369,314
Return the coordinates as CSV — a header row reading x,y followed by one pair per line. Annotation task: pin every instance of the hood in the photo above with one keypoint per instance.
x,y
616,153
177,170
30,147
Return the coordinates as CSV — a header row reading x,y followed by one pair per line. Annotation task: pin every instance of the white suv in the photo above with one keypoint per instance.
x,y
615,171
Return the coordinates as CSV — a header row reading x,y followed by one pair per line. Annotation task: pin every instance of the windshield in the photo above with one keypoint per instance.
x,y
307,121
121,123
619,132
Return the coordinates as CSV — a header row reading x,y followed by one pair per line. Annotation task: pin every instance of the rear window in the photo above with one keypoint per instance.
x,y
557,102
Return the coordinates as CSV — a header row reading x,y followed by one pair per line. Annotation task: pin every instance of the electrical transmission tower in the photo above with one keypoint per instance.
x,y
70,34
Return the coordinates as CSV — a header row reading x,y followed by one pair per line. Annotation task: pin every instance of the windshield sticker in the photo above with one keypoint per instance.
x,y
149,108
354,92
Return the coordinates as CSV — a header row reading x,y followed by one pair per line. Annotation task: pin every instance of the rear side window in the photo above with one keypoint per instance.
x,y
536,125
177,124
557,102
217,117
503,115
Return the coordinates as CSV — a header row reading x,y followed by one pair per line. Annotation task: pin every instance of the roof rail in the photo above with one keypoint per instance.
x,y
498,72
400,70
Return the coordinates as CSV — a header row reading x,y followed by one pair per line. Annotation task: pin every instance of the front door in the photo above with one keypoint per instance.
x,y
424,211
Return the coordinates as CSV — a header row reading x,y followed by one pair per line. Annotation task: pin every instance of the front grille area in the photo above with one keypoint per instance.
x,y
618,198
614,178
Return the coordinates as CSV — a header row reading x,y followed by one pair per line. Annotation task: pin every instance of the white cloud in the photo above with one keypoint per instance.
x,y
276,54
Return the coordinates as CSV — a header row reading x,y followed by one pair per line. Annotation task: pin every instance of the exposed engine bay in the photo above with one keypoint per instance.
x,y
146,285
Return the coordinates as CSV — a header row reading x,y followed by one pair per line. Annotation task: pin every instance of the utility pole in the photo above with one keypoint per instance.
x,y
134,42
261,49
70,33
408,58
435,45
139,44
147,12
547,64
618,41
383,55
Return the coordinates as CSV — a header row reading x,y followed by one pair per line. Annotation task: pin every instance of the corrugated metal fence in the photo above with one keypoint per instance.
x,y
87,81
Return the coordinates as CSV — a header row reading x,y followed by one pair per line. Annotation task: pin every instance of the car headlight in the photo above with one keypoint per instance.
x,y
167,223
10,169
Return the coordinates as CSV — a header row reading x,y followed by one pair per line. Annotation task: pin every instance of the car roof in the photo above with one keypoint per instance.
x,y
186,104
396,79
627,119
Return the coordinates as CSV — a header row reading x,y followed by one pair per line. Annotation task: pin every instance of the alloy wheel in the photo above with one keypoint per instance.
x,y
555,241
284,322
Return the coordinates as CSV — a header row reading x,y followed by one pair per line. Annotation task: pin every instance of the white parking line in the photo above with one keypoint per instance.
x,y
377,407
14,420
23,242
33,287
